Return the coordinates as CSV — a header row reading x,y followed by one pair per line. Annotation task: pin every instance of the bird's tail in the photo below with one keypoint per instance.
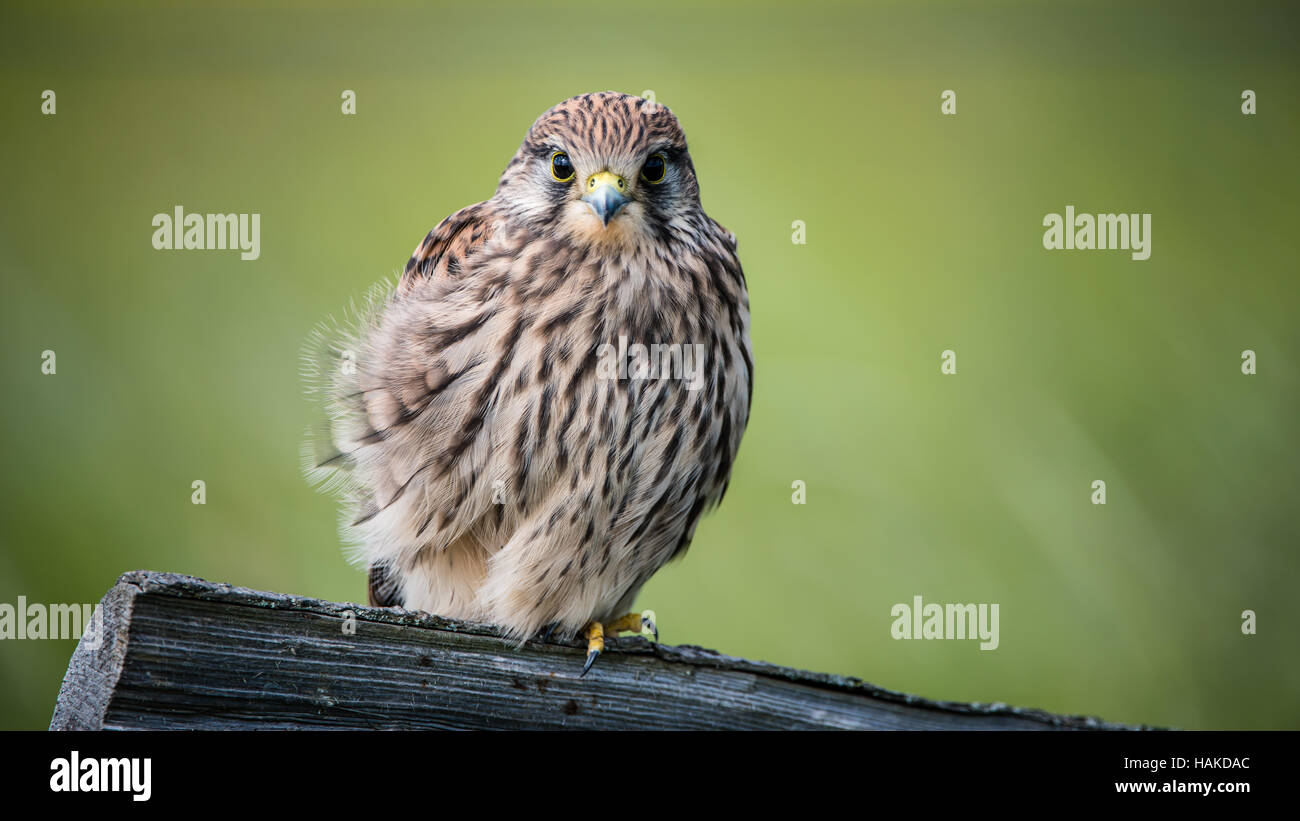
x,y
329,369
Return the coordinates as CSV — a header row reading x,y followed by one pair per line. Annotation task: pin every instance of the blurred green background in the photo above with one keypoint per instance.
x,y
923,234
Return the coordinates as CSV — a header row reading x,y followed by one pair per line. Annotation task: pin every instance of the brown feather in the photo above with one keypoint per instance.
x,y
498,473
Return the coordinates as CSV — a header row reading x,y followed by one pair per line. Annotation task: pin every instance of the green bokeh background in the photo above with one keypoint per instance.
x,y
923,234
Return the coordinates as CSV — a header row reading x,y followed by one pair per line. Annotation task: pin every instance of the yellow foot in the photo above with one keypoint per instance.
x,y
632,622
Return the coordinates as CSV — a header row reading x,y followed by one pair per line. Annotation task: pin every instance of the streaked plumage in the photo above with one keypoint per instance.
x,y
494,474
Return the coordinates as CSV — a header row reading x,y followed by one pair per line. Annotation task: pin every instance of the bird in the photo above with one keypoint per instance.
x,y
533,419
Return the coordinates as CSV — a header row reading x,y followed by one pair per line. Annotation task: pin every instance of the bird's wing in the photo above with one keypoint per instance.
x,y
445,249
378,372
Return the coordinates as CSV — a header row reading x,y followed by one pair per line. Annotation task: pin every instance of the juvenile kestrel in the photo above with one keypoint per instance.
x,y
513,457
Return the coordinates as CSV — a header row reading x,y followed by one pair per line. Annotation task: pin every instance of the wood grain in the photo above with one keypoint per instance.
x,y
184,653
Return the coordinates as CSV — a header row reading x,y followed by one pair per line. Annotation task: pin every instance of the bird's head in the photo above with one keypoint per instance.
x,y
606,168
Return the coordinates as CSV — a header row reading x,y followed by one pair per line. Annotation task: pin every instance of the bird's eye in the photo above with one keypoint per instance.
x,y
561,167
654,168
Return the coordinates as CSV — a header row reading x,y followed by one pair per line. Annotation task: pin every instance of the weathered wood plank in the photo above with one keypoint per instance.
x,y
183,653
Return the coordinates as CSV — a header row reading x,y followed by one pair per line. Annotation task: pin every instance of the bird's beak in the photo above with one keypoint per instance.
x,y
606,195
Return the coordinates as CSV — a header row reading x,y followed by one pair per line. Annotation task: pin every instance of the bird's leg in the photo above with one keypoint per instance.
x,y
595,634
634,623
630,622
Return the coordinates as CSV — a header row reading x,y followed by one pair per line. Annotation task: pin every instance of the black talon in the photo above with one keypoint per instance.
x,y
548,631
654,628
591,659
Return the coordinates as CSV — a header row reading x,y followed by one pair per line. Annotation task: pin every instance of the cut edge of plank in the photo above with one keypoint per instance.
x,y
96,664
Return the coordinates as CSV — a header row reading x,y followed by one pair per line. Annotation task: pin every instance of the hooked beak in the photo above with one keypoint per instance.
x,y
606,195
